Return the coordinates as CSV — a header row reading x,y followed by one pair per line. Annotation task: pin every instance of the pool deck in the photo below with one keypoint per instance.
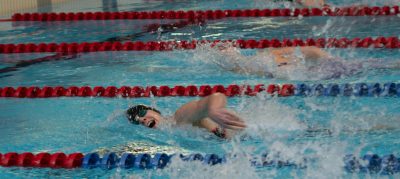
x,y
8,7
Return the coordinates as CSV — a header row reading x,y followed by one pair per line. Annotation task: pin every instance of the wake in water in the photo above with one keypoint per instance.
x,y
298,64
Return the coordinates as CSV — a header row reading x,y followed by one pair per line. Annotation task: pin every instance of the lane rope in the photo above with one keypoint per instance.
x,y
284,90
211,14
150,28
73,48
370,163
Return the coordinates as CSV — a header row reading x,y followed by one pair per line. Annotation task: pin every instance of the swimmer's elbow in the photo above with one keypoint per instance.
x,y
216,101
218,96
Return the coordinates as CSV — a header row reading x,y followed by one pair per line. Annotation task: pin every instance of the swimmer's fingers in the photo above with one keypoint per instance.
x,y
223,113
228,122
233,115
227,119
233,125
230,114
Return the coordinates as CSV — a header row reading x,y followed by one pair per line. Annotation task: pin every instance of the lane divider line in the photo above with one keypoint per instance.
x,y
370,163
284,90
211,14
73,48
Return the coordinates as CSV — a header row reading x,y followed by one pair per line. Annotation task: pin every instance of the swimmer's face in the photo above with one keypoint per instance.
x,y
150,119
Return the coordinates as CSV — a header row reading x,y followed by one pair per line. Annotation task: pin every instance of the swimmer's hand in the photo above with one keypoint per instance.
x,y
212,107
226,119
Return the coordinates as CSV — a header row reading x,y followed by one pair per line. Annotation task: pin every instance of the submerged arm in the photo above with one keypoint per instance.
x,y
238,63
233,57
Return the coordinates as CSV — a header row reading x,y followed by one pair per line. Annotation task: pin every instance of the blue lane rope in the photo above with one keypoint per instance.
x,y
359,90
370,163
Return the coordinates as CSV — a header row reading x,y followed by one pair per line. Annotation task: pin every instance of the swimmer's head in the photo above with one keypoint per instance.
x,y
145,115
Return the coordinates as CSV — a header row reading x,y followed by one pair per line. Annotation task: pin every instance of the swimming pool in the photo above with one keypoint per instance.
x,y
341,125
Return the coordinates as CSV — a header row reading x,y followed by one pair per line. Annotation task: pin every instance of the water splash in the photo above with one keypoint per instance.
x,y
265,113
239,168
261,63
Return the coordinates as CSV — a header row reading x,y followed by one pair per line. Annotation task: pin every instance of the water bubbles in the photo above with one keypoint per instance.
x,y
325,28
264,114
115,115
238,167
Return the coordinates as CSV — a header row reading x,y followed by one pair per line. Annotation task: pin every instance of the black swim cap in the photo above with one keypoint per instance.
x,y
137,111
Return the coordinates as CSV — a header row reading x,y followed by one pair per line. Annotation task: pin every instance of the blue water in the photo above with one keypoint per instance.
x,y
357,125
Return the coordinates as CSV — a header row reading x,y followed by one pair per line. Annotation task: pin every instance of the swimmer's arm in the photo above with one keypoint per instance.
x,y
213,107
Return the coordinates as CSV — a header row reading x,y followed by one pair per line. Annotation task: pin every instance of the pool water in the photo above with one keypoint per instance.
x,y
322,128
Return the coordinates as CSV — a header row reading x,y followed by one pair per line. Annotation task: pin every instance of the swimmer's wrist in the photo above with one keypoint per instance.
x,y
219,132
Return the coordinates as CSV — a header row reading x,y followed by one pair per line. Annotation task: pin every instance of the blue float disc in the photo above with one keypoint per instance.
x,y
90,160
127,161
109,160
160,160
211,159
142,161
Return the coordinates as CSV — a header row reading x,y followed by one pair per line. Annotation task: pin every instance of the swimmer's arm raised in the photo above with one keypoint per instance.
x,y
212,107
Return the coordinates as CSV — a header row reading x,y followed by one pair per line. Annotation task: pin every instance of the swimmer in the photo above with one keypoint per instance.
x,y
292,62
209,112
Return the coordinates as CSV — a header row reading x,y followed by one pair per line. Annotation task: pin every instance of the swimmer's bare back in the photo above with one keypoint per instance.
x,y
312,3
285,56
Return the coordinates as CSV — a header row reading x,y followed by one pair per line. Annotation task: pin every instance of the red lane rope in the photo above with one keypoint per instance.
x,y
55,160
73,48
149,91
151,28
209,14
